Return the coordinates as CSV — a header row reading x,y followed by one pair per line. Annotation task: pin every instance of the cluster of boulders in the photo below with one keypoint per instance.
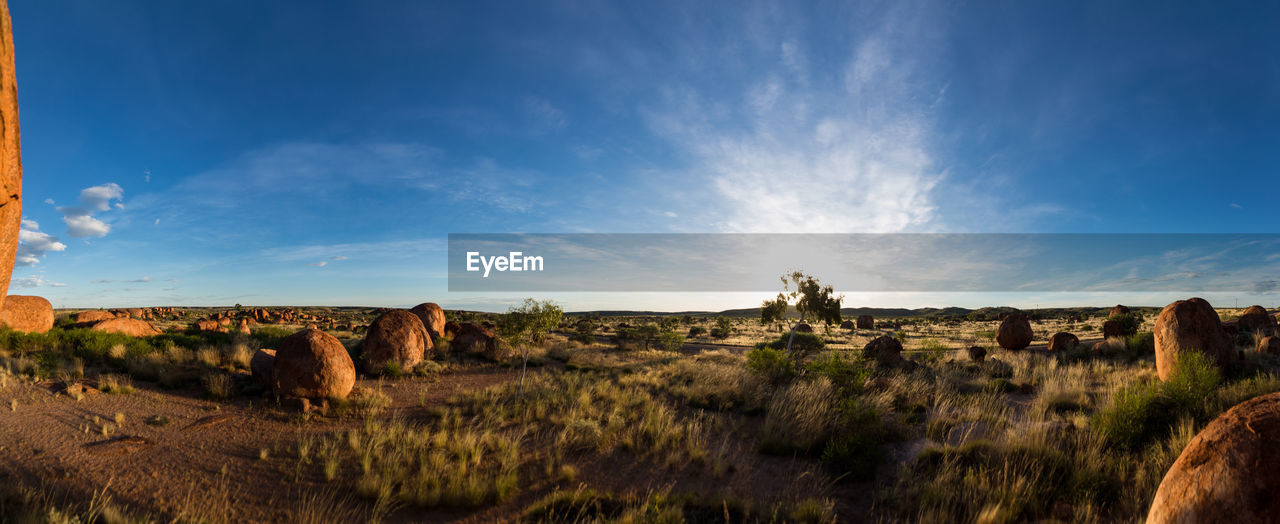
x,y
313,365
111,322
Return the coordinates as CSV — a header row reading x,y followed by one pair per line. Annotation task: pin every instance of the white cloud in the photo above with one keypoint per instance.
x,y
1235,205
49,201
85,226
339,257
800,149
79,219
33,244
98,198
318,264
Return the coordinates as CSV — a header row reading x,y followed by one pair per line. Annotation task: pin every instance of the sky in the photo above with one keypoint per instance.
x,y
319,153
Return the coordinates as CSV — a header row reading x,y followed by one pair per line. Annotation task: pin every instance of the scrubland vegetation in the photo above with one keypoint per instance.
x,y
1080,435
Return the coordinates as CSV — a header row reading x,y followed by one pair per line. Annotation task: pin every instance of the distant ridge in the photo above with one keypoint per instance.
x,y
951,311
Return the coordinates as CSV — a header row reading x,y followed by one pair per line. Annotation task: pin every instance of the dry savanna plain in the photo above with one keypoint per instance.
x,y
315,414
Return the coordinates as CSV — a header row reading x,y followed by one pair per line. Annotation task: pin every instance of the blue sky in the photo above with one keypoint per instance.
x,y
195,153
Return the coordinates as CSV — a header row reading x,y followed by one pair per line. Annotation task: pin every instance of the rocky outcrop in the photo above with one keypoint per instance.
x,y
10,155
127,326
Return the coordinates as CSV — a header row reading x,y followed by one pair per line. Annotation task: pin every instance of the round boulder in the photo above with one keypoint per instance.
x,y
27,314
1014,332
883,349
261,365
1119,310
804,328
1063,341
848,324
398,337
1227,472
432,316
866,322
1113,329
127,326
1269,345
977,353
1191,325
472,338
1256,320
312,364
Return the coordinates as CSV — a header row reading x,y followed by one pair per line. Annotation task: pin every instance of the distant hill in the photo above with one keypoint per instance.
x,y
985,313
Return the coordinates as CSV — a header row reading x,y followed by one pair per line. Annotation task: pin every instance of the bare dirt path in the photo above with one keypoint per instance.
x,y
205,451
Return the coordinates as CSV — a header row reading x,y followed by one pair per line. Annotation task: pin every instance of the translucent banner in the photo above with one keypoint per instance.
x,y
866,262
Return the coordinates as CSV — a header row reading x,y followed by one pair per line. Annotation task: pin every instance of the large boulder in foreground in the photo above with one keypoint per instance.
x,y
127,326
395,337
1191,325
1228,472
10,155
312,364
1014,332
432,316
27,314
473,338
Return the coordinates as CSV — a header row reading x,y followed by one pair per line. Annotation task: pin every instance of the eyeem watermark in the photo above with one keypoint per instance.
x,y
513,261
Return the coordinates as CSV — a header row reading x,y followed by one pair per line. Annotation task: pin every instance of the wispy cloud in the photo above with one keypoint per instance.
x,y
798,149
318,264
33,281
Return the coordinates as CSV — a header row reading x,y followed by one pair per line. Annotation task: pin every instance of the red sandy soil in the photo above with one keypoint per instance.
x,y
158,470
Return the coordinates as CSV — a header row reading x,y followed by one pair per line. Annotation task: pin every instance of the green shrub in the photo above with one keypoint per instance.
x,y
697,331
854,450
846,375
1141,413
803,343
772,364
1192,380
1129,323
1140,345
671,341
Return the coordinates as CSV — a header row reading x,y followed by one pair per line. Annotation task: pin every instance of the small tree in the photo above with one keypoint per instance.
x,y
528,324
811,299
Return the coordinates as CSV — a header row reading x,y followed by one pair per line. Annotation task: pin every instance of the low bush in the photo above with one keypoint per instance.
x,y
1141,413
772,364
